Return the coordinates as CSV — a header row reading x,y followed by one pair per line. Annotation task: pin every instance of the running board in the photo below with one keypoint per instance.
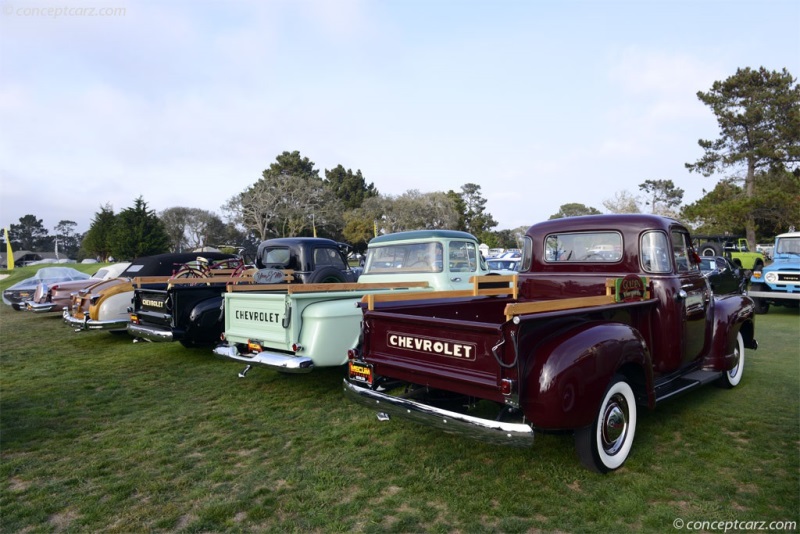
x,y
685,383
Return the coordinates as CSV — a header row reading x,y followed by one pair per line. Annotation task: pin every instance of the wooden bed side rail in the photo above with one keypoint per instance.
x,y
140,280
355,286
522,308
481,286
319,288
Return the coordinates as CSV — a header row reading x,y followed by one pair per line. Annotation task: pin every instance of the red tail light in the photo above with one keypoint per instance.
x,y
506,386
352,354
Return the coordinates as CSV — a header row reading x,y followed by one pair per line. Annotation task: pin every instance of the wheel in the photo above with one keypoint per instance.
x,y
732,378
605,444
760,307
710,249
327,275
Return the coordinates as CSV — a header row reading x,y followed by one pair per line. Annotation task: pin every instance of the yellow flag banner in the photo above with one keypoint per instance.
x,y
9,252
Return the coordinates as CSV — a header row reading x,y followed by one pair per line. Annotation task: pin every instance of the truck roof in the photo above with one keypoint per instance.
x,y
422,234
631,222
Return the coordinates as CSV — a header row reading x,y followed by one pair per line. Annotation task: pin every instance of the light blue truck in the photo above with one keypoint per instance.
x,y
294,328
778,283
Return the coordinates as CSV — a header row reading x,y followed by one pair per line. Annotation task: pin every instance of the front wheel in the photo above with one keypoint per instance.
x,y
732,378
605,444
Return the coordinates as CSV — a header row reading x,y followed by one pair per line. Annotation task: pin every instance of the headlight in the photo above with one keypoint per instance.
x,y
771,277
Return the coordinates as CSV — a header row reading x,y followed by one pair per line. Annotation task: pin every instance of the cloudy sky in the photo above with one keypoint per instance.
x,y
541,103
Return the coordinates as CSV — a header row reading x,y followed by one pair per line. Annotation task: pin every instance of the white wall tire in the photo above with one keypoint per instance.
x,y
606,443
731,379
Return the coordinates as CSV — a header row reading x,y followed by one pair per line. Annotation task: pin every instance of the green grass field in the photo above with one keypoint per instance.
x,y
98,434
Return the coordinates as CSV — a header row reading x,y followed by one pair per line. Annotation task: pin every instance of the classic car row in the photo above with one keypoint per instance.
x,y
601,315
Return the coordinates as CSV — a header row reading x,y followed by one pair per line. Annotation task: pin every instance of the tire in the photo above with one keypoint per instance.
x,y
760,307
604,445
710,249
730,379
327,275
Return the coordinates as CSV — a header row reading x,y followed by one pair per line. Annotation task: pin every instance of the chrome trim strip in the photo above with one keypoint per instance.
x,y
775,295
273,360
488,430
88,324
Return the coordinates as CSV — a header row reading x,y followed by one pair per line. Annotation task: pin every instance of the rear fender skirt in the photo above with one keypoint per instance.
x,y
568,373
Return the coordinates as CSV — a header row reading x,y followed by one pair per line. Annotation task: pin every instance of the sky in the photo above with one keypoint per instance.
x,y
540,103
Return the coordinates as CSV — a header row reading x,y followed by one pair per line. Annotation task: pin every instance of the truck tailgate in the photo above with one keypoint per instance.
x,y
453,355
258,317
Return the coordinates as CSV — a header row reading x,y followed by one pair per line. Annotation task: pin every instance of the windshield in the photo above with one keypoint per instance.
x,y
788,245
404,257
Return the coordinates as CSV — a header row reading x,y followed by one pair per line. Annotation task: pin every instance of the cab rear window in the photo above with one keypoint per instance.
x,y
583,247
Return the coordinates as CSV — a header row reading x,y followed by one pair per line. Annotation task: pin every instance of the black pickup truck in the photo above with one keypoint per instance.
x,y
190,310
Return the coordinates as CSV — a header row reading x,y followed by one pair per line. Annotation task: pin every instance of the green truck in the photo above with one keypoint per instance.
x,y
733,248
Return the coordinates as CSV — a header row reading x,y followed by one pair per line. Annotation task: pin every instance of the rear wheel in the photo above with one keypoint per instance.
x,y
759,306
327,275
605,444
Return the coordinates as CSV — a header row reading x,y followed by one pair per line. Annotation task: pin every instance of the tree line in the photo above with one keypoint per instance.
x,y
756,158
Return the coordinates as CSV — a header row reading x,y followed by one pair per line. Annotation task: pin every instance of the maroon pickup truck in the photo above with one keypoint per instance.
x,y
609,312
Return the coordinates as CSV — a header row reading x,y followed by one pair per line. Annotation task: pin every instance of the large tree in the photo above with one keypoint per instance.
x,y
477,220
351,189
574,209
29,234
662,196
726,208
138,232
290,199
68,241
193,228
97,240
758,113
622,202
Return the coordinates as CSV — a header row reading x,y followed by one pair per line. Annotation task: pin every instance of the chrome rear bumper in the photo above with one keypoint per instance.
x,y
150,333
273,360
40,307
88,324
488,430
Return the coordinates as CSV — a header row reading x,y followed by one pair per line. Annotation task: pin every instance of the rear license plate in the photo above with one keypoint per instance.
x,y
360,372
254,346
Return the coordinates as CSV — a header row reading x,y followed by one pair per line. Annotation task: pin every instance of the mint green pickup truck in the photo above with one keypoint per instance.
x,y
294,328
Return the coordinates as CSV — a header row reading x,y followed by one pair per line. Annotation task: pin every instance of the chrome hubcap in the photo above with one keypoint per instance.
x,y
615,424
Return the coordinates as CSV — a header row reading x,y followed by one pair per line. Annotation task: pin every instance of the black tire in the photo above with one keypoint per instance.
x,y
731,379
760,306
327,275
710,249
604,445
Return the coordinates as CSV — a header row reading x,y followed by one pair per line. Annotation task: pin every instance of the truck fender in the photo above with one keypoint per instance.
x,y
329,329
206,313
733,314
568,372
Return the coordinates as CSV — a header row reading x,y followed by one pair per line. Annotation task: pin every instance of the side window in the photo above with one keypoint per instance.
x,y
463,257
527,254
682,252
654,253
328,257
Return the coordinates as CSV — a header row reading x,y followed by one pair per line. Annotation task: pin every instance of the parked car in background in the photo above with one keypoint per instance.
x,y
498,264
53,297
104,305
778,284
16,295
722,275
